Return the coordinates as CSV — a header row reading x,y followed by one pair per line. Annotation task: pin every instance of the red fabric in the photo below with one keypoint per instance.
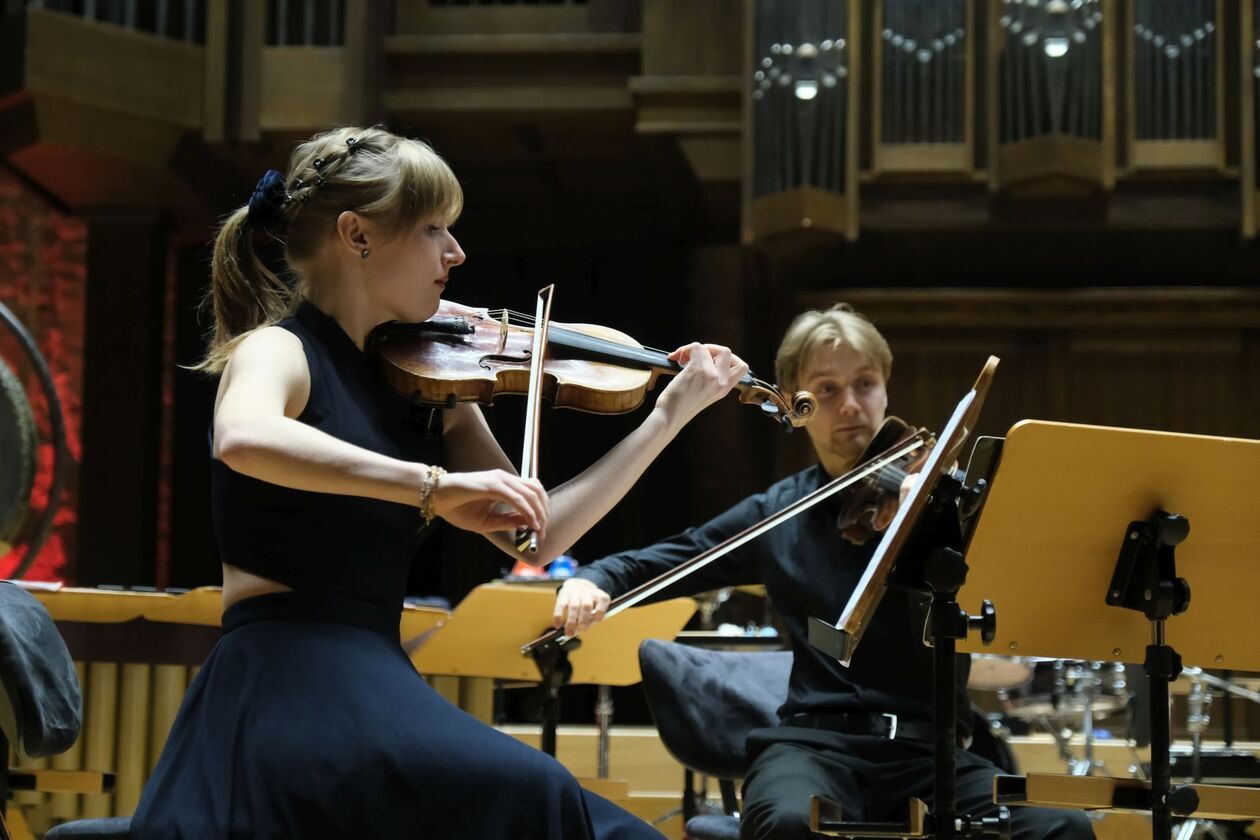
x,y
42,278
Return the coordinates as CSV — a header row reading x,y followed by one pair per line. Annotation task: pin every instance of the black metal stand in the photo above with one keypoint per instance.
x,y
945,572
1146,580
556,670
933,560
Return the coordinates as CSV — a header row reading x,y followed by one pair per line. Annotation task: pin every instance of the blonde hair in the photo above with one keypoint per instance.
x,y
830,328
394,180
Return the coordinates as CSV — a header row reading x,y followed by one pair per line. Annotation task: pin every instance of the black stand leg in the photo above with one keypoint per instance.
x,y
555,668
945,572
945,738
947,623
1160,660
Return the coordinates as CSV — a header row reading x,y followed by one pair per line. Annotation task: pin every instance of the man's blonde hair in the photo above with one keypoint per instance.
x,y
829,328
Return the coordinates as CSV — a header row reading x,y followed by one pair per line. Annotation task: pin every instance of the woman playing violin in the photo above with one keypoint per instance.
x,y
307,720
835,738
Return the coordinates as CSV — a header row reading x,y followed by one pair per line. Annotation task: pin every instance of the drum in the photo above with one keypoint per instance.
x,y
999,673
1066,688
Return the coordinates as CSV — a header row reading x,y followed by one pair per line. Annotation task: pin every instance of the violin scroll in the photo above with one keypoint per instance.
x,y
792,414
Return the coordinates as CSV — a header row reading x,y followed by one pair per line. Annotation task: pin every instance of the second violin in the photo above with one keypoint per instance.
x,y
866,508
473,355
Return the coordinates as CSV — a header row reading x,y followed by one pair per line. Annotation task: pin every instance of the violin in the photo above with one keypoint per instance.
x,y
464,354
868,506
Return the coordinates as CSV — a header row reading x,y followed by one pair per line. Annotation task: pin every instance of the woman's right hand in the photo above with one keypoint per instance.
x,y
491,501
579,604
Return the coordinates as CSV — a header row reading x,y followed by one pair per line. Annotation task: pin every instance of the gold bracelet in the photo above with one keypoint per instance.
x,y
428,490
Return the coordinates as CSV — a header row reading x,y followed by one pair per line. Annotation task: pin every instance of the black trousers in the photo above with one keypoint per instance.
x,y
872,779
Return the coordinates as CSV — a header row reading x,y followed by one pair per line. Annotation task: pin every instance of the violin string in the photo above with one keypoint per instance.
x,y
521,319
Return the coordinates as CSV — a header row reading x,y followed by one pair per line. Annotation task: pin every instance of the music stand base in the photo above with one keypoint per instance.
x,y
1105,793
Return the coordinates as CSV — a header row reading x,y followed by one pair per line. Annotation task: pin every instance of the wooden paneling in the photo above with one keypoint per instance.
x,y
1180,360
692,39
113,68
363,63
1247,118
215,77
513,98
303,88
250,75
418,17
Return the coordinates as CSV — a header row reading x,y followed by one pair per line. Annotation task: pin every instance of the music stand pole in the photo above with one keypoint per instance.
x,y
944,571
556,670
1145,580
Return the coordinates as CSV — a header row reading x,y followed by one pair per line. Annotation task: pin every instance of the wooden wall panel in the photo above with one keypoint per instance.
x,y
1185,381
1173,360
147,76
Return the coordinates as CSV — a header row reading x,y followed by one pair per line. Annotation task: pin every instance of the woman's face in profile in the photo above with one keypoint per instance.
x,y
409,272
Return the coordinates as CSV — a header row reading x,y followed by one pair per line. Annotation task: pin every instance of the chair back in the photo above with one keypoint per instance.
x,y
41,709
705,702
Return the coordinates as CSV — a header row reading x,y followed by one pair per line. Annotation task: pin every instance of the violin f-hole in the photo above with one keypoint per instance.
x,y
523,359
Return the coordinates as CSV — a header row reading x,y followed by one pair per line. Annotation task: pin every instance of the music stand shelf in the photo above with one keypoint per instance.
x,y
484,634
1068,508
1045,546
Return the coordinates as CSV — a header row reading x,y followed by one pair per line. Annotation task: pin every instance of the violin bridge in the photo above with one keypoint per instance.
x,y
503,332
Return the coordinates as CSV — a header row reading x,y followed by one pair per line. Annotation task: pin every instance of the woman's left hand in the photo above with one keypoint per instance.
x,y
709,373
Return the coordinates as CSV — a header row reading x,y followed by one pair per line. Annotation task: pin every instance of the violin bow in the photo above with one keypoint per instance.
x,y
526,539
898,450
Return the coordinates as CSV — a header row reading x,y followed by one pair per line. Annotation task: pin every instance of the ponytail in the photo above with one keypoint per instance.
x,y
244,293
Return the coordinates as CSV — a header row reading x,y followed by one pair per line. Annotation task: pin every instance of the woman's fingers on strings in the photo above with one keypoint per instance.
x,y
683,355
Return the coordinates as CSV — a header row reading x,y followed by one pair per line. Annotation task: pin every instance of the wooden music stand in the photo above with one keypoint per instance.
x,y
484,635
1079,543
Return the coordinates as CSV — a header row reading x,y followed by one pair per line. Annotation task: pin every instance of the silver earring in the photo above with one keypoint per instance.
x,y
365,253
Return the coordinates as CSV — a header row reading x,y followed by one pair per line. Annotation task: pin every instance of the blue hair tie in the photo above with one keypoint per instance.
x,y
268,200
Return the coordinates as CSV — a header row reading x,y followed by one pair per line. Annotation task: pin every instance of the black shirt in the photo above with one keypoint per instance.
x,y
808,570
351,546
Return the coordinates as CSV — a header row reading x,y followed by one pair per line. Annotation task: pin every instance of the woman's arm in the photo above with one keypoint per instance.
x,y
265,386
709,373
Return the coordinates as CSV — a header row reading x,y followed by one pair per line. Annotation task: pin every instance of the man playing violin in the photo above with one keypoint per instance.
x,y
836,736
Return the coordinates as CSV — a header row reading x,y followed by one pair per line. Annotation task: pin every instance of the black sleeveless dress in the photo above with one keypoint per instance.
x,y
307,720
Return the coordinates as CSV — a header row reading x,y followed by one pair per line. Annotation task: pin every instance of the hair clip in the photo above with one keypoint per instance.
x,y
318,164
268,199
319,181
298,184
353,145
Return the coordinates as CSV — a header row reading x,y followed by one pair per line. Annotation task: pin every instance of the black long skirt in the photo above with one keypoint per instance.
x,y
308,720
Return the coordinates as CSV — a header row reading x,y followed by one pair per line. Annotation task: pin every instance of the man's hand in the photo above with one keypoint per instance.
x,y
579,604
